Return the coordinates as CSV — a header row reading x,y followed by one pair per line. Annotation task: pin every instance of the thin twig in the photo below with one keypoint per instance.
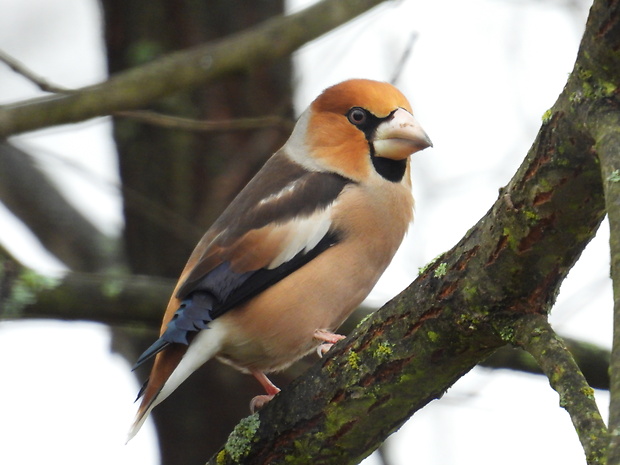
x,y
37,80
176,122
404,57
137,87
534,334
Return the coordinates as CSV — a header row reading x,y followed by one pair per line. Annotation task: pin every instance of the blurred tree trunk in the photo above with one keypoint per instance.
x,y
175,183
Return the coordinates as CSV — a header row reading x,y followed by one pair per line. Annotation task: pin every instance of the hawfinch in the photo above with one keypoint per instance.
x,y
299,248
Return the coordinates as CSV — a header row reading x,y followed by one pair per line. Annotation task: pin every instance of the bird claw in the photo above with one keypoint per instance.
x,y
323,349
328,338
259,402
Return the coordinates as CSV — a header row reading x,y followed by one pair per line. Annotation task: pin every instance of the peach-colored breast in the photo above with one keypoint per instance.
x,y
276,327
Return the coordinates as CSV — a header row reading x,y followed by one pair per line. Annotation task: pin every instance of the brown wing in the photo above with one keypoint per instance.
x,y
280,221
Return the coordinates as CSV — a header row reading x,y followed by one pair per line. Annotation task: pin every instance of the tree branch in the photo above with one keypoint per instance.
x,y
188,124
135,88
463,307
30,75
466,304
609,153
62,230
535,335
102,298
592,360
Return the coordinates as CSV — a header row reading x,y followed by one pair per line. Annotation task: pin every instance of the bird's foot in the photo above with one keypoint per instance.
x,y
271,389
328,338
259,402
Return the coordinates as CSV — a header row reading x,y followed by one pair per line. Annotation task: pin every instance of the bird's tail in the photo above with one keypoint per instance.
x,y
173,366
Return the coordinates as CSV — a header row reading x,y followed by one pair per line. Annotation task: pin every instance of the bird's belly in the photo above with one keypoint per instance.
x,y
277,327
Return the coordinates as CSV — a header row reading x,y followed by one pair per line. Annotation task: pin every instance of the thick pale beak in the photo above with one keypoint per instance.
x,y
400,136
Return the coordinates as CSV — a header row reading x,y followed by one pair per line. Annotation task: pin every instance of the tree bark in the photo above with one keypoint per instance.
x,y
470,301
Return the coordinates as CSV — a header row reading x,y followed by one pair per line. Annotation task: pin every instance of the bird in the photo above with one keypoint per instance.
x,y
298,249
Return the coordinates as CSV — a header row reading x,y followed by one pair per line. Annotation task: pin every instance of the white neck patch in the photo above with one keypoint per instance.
x,y
297,148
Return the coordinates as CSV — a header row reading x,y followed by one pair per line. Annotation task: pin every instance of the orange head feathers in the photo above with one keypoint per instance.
x,y
352,123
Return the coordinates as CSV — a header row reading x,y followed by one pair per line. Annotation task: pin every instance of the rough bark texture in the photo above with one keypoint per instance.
x,y
468,302
606,122
455,314
535,335
594,87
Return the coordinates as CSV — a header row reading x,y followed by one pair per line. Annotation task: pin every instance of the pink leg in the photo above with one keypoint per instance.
x,y
271,389
328,338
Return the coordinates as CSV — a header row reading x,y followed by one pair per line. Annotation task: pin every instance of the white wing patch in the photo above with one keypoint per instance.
x,y
288,189
303,234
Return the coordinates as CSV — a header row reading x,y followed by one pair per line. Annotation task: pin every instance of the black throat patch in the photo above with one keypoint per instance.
x,y
392,170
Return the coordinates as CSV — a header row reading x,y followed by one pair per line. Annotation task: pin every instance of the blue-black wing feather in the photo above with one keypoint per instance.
x,y
207,293
221,290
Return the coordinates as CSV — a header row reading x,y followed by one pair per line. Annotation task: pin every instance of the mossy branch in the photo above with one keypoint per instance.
x,y
504,274
534,334
103,298
274,39
592,360
608,124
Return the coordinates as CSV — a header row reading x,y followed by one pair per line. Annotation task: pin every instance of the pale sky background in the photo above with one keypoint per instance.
x,y
480,76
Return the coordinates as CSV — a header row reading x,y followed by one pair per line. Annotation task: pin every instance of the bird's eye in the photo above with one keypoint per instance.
x,y
357,116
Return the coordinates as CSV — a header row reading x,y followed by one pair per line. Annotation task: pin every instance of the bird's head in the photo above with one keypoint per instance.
x,y
357,127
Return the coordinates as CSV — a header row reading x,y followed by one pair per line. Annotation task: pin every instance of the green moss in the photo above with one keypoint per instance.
x,y
363,320
593,88
607,88
303,451
537,332
531,217
441,270
545,185
512,240
588,392
563,401
423,269
241,438
221,457
546,117
112,287
25,289
468,322
354,360
507,333
575,97
433,336
470,292
384,351
614,176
